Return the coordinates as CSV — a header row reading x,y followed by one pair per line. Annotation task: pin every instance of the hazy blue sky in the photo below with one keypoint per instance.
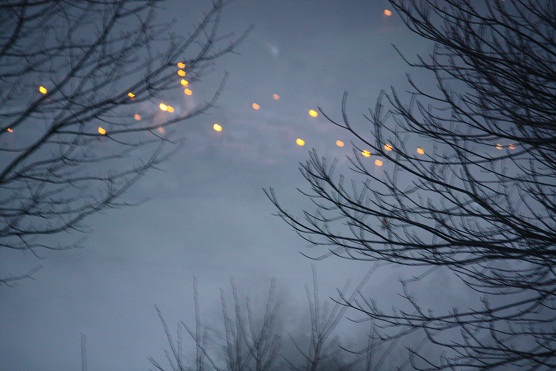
x,y
207,215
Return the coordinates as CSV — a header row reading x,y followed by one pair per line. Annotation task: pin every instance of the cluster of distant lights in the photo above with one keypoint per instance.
x,y
218,128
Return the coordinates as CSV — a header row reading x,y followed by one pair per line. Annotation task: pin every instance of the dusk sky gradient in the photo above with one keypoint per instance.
x,y
207,215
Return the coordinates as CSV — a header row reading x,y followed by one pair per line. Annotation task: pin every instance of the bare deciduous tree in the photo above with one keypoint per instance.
x,y
324,351
253,340
86,102
250,341
467,186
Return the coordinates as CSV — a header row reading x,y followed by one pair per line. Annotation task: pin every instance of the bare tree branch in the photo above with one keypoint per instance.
x,y
477,198
87,92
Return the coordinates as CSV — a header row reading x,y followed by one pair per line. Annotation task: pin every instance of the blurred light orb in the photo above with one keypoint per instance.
x,y
137,117
387,12
339,143
499,146
275,97
420,151
43,90
170,109
217,127
163,107
300,142
366,153
256,107
101,130
387,147
313,113
511,146
181,73
184,82
187,91
131,95
378,163
10,130
181,65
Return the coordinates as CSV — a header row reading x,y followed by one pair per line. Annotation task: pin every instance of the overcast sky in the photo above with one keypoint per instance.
x,y
207,215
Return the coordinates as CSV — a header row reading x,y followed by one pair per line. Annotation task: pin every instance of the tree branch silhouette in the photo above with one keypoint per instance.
x,y
478,203
86,94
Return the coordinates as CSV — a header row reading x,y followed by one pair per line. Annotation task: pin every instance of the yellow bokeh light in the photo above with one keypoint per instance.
x,y
498,146
256,107
43,90
366,153
387,12
420,151
170,109
313,113
387,147
163,107
131,95
101,130
275,97
300,142
217,127
10,130
181,65
339,143
181,73
137,117
184,82
511,146
378,163
187,91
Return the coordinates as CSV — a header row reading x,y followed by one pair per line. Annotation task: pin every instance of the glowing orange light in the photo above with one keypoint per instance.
x,y
387,13
387,147
181,73
275,97
163,107
161,129
499,146
256,107
43,90
366,153
378,163
339,143
184,82
137,117
300,142
511,146
131,95
313,113
420,151
181,65
10,130
101,130
170,109
187,91
217,127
